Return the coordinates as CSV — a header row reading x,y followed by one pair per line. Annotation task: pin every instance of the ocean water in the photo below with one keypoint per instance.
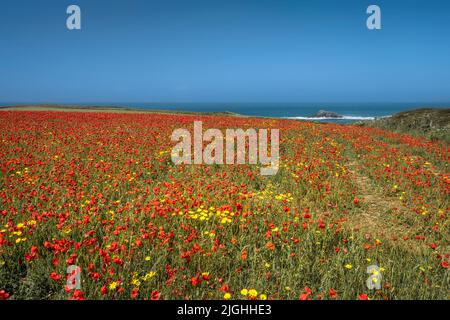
x,y
350,112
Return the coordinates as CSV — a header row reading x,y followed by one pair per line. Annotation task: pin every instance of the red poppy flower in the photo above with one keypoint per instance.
x,y
225,288
134,293
195,281
155,295
333,293
363,296
306,294
270,245
4,295
77,295
55,276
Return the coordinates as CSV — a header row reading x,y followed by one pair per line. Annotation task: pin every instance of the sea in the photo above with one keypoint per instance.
x,y
350,112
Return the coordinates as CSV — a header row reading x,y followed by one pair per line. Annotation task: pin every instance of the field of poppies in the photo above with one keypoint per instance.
x,y
99,191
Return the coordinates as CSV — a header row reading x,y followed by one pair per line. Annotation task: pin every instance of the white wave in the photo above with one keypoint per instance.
x,y
340,118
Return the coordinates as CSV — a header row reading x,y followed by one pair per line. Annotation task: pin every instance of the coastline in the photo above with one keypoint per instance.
x,y
351,111
110,109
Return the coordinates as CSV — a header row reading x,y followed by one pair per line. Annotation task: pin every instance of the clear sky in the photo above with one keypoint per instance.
x,y
224,51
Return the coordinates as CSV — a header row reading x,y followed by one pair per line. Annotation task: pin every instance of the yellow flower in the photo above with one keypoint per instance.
x,y
225,220
244,292
136,282
348,266
262,297
113,285
227,296
147,258
148,276
252,293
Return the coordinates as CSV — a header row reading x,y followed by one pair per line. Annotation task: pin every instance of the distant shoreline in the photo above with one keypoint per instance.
x,y
111,109
361,120
126,109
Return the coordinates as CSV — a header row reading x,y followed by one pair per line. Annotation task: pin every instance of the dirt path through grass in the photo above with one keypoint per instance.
x,y
380,217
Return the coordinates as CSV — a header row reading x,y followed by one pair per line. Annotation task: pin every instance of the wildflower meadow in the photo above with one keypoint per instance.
x,y
93,207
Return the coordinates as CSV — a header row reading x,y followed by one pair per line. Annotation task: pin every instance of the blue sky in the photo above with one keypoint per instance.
x,y
224,51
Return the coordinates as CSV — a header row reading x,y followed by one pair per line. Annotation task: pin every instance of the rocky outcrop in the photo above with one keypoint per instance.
x,y
326,114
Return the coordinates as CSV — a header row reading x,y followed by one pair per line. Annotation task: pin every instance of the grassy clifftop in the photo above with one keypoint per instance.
x,y
429,122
